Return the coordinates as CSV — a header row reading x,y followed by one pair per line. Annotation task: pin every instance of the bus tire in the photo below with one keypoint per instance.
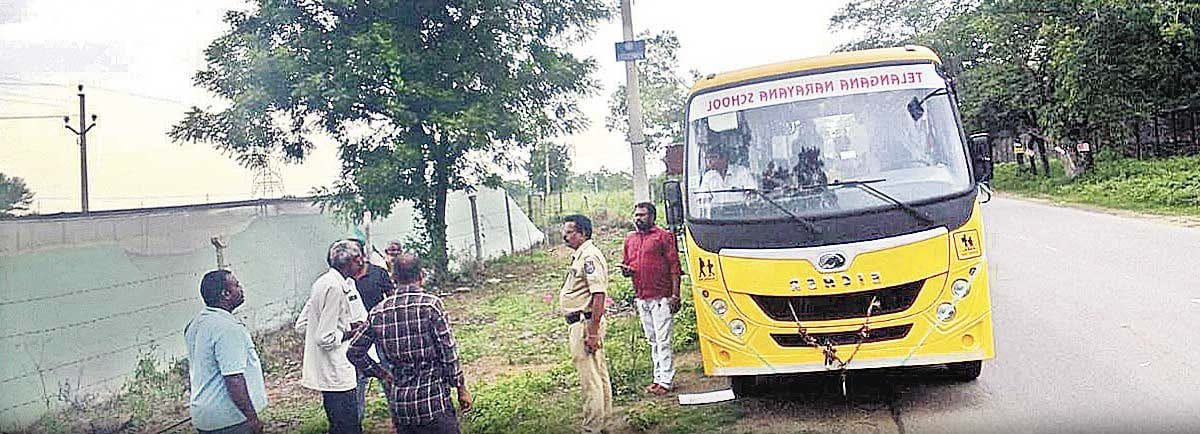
x,y
745,386
965,371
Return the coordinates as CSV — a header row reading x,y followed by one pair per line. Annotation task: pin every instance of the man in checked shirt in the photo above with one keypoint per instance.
x,y
410,330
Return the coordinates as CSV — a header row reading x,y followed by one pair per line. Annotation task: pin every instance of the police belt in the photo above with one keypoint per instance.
x,y
578,316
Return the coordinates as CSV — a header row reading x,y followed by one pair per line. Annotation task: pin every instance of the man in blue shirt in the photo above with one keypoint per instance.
x,y
226,377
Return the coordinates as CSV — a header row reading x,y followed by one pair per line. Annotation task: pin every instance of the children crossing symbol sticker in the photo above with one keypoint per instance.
x,y
966,244
705,269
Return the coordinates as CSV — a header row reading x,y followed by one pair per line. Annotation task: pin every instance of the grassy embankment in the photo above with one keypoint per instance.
x,y
1168,186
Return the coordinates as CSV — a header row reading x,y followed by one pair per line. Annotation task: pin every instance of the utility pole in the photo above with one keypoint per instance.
x,y
633,104
546,185
82,135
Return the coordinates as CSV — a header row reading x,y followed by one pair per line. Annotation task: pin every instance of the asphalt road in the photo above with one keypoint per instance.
x,y
1096,321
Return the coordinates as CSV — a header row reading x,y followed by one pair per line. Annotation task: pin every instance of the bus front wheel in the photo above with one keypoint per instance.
x,y
745,385
965,371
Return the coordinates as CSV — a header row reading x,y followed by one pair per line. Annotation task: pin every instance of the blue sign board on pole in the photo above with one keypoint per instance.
x,y
631,50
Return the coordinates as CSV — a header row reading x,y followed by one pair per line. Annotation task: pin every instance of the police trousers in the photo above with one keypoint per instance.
x,y
594,383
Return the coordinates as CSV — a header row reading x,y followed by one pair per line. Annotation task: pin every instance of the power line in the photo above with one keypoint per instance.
x,y
30,83
10,118
31,97
144,96
19,82
13,80
30,101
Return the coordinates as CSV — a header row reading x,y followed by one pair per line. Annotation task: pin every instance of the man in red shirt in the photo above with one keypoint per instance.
x,y
653,262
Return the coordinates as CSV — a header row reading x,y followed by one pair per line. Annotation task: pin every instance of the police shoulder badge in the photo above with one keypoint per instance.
x,y
589,267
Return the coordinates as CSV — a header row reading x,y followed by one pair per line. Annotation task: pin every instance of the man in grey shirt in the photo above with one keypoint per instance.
x,y
226,376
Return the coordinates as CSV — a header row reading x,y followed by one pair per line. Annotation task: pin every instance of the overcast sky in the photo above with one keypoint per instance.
x,y
136,59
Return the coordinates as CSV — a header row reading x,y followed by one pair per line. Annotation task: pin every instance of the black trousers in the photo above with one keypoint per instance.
x,y
342,410
241,428
445,423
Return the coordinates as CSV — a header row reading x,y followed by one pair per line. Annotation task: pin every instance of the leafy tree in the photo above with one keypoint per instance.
x,y
560,167
662,90
14,196
1053,71
602,180
418,95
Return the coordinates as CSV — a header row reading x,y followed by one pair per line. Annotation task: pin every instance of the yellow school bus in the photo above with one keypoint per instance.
x,y
830,212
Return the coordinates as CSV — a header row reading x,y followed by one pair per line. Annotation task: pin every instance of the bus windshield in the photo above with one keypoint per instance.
x,y
802,146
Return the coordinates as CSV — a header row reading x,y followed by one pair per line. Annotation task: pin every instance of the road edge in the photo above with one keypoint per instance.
x,y
1171,219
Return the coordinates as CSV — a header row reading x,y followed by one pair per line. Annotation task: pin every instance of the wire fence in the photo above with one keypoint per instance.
x,y
82,298
547,211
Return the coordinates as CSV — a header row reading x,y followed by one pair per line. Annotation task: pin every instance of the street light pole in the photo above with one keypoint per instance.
x,y
82,134
633,105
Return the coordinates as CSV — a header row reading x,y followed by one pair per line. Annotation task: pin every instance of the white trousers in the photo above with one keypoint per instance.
x,y
656,322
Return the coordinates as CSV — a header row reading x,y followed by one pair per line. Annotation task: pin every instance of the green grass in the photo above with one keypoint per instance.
x,y
518,327
310,418
519,324
154,396
655,416
1166,186
527,402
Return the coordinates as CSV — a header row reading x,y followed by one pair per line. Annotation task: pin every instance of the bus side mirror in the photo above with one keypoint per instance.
x,y
673,196
981,156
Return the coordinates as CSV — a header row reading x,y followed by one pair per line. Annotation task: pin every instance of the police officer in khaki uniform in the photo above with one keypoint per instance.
x,y
582,300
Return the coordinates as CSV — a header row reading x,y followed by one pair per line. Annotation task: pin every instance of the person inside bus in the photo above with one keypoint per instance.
x,y
721,176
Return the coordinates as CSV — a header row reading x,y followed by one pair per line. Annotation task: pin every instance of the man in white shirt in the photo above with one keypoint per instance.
x,y
332,316
722,176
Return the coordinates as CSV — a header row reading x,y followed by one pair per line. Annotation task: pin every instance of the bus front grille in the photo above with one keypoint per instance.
x,y
840,306
844,338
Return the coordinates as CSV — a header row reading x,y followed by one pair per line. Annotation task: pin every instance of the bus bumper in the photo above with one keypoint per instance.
x,y
926,343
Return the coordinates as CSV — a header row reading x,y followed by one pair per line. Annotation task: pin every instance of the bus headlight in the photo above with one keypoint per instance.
x,y
737,327
720,307
960,288
945,312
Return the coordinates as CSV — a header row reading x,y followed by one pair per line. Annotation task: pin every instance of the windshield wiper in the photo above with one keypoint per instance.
x,y
808,224
866,186
841,183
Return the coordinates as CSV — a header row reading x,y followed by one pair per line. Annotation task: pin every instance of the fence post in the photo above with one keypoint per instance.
x,y
545,196
1154,150
475,229
512,247
220,246
1192,130
1137,138
1173,125
529,207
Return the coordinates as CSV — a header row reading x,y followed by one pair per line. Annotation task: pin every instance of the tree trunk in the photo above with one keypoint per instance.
x,y
1041,147
435,220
